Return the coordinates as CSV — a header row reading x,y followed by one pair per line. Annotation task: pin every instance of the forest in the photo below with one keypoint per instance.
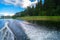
x,y
49,8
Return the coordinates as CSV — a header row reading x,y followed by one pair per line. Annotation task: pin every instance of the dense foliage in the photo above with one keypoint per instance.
x,y
49,8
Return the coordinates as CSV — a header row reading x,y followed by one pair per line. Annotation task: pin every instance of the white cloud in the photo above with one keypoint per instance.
x,y
22,3
6,14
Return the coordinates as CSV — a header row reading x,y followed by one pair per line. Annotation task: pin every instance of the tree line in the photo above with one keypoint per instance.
x,y
49,8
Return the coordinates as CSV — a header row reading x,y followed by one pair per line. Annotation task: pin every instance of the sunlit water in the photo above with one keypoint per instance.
x,y
32,31
2,22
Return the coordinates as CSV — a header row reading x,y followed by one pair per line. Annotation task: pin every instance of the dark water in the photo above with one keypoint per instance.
x,y
2,22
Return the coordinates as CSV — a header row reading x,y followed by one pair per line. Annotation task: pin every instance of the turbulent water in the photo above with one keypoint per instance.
x,y
39,32
32,31
6,33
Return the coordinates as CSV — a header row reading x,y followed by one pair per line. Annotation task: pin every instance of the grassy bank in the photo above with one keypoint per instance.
x,y
44,18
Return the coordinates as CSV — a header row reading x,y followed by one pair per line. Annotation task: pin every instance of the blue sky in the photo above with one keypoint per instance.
x,y
14,6
9,9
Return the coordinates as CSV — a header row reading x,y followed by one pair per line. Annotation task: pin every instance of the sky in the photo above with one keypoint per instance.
x,y
10,7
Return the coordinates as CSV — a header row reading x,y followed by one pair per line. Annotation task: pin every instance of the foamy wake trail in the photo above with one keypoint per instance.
x,y
39,33
6,33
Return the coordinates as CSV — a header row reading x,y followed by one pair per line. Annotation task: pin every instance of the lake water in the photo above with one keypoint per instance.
x,y
2,22
33,32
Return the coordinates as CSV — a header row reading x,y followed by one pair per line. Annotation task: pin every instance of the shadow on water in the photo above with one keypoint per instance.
x,y
48,24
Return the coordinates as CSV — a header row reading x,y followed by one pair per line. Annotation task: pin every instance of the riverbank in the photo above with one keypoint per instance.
x,y
44,18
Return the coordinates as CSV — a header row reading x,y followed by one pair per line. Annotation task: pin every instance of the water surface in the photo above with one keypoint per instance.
x,y
2,22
